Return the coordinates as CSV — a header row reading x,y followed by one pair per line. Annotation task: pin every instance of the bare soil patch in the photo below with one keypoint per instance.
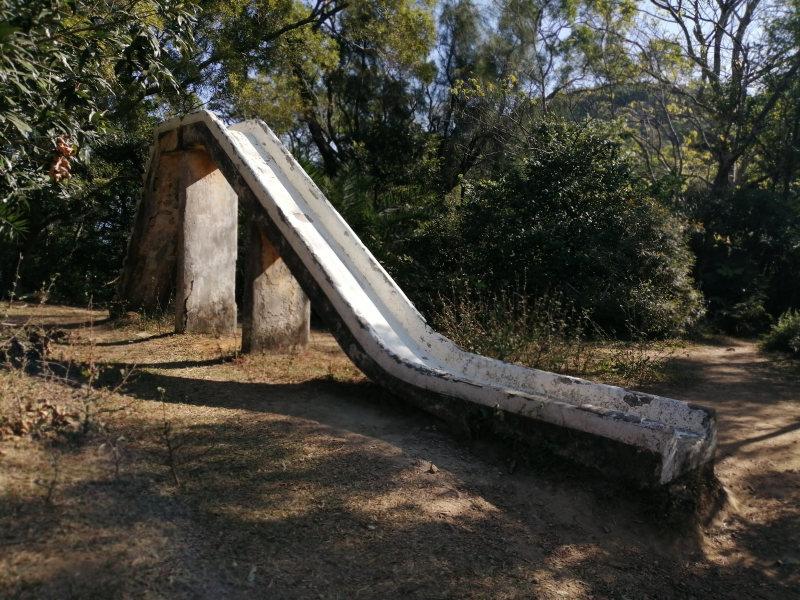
x,y
292,476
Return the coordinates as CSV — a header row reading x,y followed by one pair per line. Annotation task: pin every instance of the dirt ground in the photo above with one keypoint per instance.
x,y
211,475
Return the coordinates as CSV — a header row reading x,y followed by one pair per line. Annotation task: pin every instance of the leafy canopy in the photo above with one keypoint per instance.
x,y
63,64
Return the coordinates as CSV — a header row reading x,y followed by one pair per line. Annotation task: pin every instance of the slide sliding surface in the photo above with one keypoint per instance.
x,y
630,434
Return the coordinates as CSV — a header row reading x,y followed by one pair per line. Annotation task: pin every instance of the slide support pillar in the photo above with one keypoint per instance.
x,y
205,298
277,313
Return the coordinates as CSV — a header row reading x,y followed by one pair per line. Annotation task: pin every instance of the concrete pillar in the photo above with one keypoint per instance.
x,y
205,298
148,279
276,310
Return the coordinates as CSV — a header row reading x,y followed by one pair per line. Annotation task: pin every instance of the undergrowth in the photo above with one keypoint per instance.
x,y
785,334
550,333
159,320
54,401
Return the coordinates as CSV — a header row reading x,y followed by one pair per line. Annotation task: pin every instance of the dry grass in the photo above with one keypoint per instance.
x,y
549,333
292,477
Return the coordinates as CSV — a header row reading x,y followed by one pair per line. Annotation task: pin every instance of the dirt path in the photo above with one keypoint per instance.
x,y
758,412
299,479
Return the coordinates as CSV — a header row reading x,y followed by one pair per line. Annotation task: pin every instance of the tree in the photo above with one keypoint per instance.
x,y
72,74
63,65
233,40
320,73
79,252
702,94
715,70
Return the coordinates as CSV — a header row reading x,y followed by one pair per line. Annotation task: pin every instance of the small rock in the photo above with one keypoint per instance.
x,y
372,527
433,469
606,529
251,576
562,593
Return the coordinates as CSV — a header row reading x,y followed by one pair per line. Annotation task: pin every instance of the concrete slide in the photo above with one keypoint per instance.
x,y
635,436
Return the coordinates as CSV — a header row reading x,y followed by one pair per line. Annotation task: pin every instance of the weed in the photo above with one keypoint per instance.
x,y
549,333
545,333
75,402
182,445
50,482
13,292
169,440
160,320
637,360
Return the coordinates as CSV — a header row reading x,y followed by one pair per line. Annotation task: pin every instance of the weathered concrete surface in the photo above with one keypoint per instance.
x,y
650,439
277,313
183,249
148,277
205,297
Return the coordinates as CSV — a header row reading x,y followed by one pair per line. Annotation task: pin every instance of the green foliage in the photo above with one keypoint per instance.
x,y
86,241
714,128
384,218
12,219
570,216
339,86
435,150
78,70
749,268
785,334
61,65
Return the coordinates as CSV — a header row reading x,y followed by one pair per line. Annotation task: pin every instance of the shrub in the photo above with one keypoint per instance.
x,y
548,332
571,216
785,335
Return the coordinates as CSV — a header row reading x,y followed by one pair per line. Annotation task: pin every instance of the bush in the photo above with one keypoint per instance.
x,y
570,216
785,335
77,241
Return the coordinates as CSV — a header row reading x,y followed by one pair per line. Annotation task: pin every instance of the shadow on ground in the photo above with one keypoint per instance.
x,y
330,489
325,488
